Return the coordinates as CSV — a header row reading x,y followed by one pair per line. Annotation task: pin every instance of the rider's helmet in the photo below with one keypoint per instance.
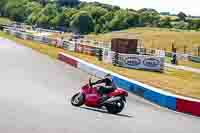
x,y
108,76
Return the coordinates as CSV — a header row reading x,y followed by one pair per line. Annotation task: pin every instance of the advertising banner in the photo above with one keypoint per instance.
x,y
86,49
29,37
37,38
68,45
141,62
53,42
45,40
59,43
108,56
18,34
12,32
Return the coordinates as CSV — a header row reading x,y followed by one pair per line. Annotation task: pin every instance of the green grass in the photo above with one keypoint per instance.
x,y
155,37
171,17
176,81
190,64
184,63
5,20
168,59
159,38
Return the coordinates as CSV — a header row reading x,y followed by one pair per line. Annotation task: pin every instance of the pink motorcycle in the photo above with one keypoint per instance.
x,y
89,96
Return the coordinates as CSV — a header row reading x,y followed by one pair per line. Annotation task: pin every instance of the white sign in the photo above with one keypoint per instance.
x,y
107,56
141,62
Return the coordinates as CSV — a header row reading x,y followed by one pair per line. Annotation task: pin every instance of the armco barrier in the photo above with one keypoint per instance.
x,y
157,96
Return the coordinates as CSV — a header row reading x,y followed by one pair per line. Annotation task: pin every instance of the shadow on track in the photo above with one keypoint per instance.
x,y
105,112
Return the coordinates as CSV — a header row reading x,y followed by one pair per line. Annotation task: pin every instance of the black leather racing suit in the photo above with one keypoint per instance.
x,y
107,88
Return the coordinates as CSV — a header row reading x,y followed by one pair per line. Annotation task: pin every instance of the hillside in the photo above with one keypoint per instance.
x,y
82,17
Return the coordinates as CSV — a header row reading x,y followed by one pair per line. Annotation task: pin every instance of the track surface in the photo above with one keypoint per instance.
x,y
35,98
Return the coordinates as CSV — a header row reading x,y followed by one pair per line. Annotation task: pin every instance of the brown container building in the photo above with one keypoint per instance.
x,y
126,46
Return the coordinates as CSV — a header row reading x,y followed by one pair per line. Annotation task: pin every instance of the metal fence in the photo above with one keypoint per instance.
x,y
91,47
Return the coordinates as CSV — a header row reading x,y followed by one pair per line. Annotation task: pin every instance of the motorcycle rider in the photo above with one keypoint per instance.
x,y
108,86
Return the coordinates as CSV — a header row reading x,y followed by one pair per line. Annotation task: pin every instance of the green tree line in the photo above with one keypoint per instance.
x,y
82,17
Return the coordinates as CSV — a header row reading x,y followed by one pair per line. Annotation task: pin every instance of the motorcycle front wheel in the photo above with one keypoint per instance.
x,y
77,100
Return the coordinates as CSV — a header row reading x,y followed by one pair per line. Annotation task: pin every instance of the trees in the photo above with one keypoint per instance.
x,y
148,18
165,23
132,19
33,9
95,11
86,17
67,15
2,6
147,10
194,24
14,9
181,25
44,2
46,17
123,19
182,16
67,2
99,16
82,22
119,21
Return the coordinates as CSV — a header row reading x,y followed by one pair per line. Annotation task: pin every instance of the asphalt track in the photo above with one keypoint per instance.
x,y
35,97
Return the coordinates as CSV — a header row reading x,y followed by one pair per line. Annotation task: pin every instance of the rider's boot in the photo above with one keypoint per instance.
x,y
103,98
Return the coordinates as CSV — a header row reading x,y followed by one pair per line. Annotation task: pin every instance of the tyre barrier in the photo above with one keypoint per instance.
x,y
165,99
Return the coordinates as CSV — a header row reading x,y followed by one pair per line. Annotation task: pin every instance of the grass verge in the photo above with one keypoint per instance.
x,y
160,38
184,63
176,81
5,20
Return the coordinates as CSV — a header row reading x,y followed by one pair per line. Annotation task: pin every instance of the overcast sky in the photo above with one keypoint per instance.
x,y
191,7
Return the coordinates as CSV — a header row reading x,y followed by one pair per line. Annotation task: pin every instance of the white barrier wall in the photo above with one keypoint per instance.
x,y
91,69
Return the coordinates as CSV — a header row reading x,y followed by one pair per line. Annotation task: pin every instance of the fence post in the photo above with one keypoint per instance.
x,y
198,51
185,49
145,51
100,54
116,59
173,47
174,56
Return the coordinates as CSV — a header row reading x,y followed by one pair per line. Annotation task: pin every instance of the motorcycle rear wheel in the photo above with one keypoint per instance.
x,y
116,107
78,100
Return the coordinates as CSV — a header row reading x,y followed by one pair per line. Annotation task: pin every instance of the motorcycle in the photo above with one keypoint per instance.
x,y
89,96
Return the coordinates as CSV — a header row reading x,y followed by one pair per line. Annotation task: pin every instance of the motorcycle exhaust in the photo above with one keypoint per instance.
x,y
112,99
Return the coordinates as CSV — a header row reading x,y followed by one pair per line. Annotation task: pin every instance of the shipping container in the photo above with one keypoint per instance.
x,y
126,46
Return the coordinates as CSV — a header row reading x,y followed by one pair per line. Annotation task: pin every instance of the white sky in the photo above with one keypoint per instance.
x,y
191,7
